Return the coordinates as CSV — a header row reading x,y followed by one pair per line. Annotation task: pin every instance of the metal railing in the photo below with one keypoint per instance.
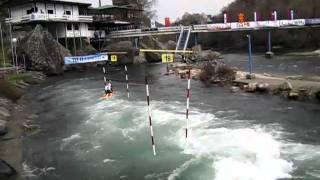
x,y
49,17
232,26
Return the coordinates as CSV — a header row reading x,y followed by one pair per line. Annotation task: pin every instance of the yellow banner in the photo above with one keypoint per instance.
x,y
167,58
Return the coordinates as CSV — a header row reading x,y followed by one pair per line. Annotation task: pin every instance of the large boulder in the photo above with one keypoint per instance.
x,y
217,72
123,46
6,170
206,55
150,42
3,127
140,59
43,52
86,48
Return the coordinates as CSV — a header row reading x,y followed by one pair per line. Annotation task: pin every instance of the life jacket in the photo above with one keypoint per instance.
x,y
108,87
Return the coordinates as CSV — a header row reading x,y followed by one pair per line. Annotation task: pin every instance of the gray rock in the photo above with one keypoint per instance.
x,y
293,95
263,87
234,89
269,54
286,86
3,127
4,101
4,113
171,45
206,55
140,59
153,43
43,52
123,46
6,170
86,48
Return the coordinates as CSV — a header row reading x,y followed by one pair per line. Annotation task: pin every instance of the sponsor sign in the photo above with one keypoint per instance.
x,y
295,22
220,26
85,59
114,58
167,58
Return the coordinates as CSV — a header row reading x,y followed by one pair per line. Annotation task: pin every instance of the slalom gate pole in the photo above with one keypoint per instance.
x,y
188,100
127,80
149,114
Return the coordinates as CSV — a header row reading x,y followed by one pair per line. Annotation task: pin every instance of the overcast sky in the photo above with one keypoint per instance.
x,y
176,8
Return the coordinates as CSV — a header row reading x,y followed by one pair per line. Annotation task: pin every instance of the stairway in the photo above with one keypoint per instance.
x,y
183,38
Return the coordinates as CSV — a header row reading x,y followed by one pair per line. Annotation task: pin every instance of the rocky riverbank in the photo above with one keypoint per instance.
x,y
14,121
216,72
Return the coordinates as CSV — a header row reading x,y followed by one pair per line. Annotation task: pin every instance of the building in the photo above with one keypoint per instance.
x,y
70,19
116,16
63,19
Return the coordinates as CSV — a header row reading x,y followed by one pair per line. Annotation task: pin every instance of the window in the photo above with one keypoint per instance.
x,y
69,27
50,11
76,27
67,12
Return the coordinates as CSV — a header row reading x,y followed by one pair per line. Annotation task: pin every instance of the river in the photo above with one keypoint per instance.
x,y
233,136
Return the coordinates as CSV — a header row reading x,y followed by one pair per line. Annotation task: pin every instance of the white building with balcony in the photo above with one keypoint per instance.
x,y
62,18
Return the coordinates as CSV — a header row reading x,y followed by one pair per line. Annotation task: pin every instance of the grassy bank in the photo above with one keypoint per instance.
x,y
8,88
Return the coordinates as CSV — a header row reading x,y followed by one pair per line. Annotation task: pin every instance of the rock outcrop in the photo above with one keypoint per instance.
x,y
43,52
6,170
123,46
217,72
86,48
3,127
204,55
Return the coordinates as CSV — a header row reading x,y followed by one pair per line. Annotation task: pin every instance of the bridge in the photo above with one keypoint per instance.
x,y
219,27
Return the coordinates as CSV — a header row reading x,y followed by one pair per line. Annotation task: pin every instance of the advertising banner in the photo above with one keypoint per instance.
x,y
85,59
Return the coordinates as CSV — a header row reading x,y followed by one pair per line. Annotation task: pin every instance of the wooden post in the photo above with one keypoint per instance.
x,y
74,41
66,40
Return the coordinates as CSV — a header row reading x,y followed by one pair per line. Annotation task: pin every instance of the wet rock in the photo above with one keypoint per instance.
x,y
269,54
6,170
286,86
234,89
3,127
263,87
250,88
250,76
43,52
293,95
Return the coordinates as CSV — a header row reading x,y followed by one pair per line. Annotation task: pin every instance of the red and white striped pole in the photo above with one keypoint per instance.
x,y
188,101
150,121
127,80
